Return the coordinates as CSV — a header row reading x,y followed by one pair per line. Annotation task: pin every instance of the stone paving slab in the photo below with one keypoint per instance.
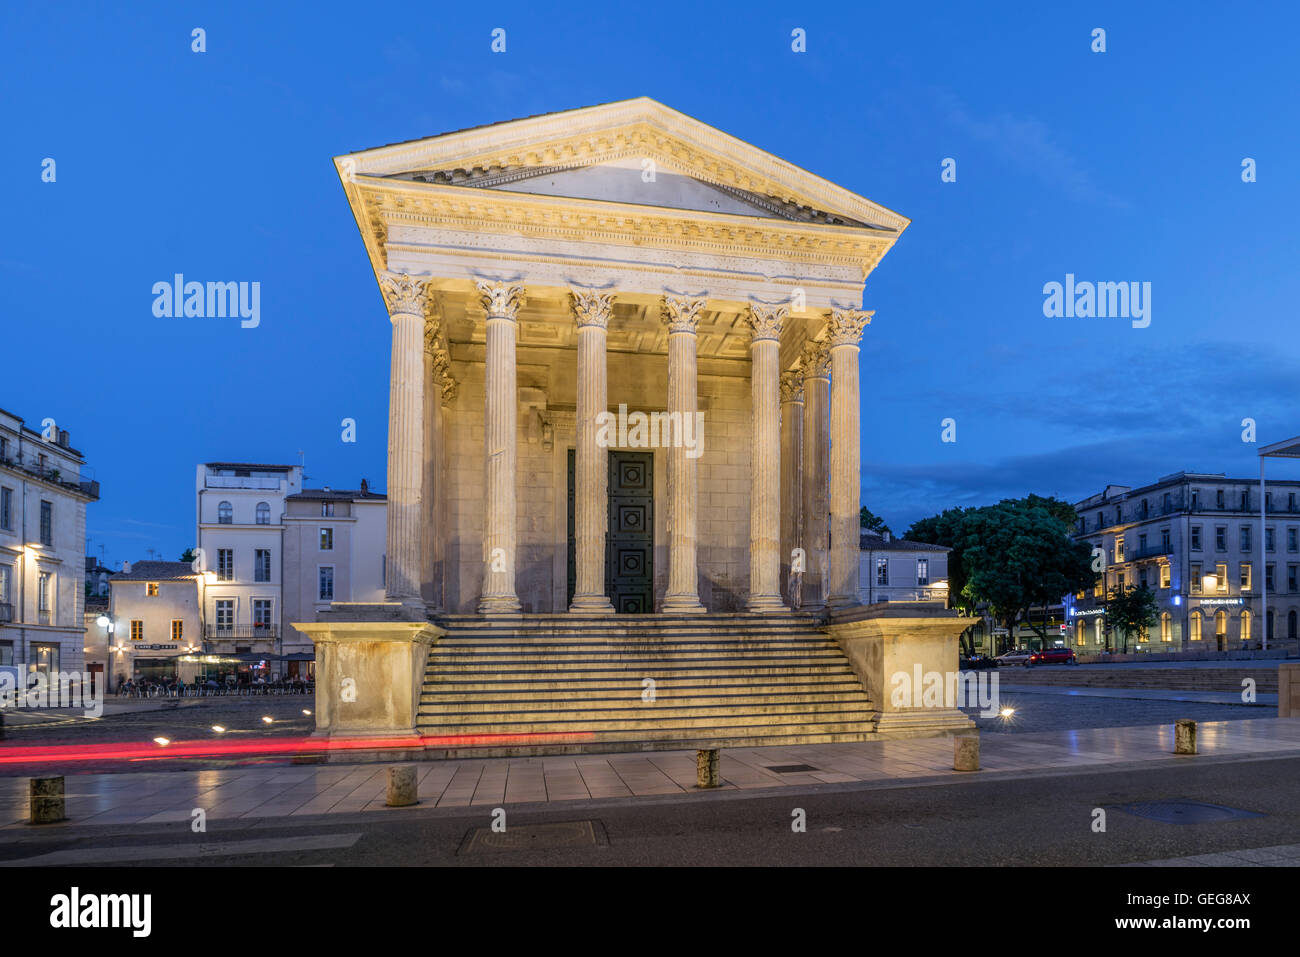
x,y
253,792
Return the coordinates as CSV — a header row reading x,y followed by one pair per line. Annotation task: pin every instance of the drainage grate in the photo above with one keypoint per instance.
x,y
791,768
534,837
1186,812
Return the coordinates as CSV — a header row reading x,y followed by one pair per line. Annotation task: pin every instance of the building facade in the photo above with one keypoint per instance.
x,y
240,509
1193,539
43,499
624,370
894,569
333,551
155,623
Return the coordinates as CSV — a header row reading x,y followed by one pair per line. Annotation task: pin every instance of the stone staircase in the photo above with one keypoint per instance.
x,y
561,684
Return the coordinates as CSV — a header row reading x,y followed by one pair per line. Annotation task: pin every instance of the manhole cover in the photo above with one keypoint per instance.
x,y
530,837
1186,812
791,768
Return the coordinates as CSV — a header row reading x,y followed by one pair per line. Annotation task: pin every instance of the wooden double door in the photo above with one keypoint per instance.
x,y
629,543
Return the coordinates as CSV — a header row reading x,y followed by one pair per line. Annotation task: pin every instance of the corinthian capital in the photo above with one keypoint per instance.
x,y
764,320
681,314
405,295
791,386
500,300
592,308
846,325
816,361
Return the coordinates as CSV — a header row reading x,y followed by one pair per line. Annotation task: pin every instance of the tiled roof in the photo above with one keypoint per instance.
x,y
876,543
156,572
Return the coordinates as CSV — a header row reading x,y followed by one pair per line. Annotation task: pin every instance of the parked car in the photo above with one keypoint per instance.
x,y
1052,656
1016,656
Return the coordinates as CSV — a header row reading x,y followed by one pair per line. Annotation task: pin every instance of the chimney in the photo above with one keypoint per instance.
x,y
365,487
885,535
126,568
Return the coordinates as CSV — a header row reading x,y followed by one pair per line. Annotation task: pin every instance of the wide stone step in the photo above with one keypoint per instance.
x,y
441,663
756,674
704,727
538,746
487,646
662,710
582,685
631,697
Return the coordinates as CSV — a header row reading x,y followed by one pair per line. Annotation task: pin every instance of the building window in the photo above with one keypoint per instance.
x,y
178,629
1221,574
327,539
1120,582
262,565
44,597
1166,545
261,613
7,508
225,614
326,583
1292,539
1194,586
1292,578
1268,577
923,571
1194,627
7,652
1196,538
1167,504
1220,538
1245,501
1101,522
1142,509
1245,538
1218,498
1290,503
45,659
882,571
1245,576
1245,626
1142,545
326,509
1164,575
1166,627
1221,627
225,564
151,589
1119,514
137,629
1196,499
1290,625
263,513
225,514
1268,539
1119,549
47,523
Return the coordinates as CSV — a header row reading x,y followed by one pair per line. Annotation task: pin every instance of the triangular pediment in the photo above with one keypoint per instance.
x,y
635,152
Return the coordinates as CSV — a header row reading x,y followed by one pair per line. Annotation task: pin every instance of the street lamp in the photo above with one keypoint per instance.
x,y
1288,449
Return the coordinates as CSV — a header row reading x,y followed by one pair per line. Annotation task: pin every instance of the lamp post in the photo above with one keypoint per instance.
x,y
1288,449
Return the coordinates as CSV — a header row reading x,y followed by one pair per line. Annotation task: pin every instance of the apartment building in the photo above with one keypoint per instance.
x,y
154,626
1193,539
240,509
894,569
334,543
43,499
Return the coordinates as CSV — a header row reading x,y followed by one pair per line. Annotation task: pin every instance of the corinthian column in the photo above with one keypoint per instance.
x,y
816,454
682,318
501,303
845,330
591,466
406,298
791,475
765,458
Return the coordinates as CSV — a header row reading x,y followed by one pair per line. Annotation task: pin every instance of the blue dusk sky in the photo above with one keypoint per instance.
x,y
1122,166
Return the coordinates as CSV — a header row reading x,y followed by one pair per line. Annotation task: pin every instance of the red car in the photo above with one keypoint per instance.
x,y
1052,656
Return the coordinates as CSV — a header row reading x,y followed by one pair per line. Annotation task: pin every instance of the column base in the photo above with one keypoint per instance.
x,y
682,605
591,605
768,604
499,605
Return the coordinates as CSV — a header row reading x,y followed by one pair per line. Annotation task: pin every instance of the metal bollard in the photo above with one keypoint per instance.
x,y
46,799
706,768
966,753
1185,737
402,785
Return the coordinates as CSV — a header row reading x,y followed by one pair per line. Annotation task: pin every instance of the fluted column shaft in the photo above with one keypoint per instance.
x,y
682,317
816,490
501,406
765,460
846,327
791,475
406,299
591,458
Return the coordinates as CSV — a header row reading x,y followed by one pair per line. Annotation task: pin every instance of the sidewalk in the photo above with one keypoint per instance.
x,y
1262,699
299,791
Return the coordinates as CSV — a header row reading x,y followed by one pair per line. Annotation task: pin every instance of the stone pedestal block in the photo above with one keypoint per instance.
x,y
966,753
369,669
45,796
888,645
1185,737
1288,690
402,786
706,768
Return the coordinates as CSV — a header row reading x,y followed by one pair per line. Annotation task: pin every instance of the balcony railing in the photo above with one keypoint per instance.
x,y
217,632
242,481
1150,551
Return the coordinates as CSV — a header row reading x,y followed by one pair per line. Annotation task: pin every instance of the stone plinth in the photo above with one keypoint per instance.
x,y
887,639
369,669
1288,690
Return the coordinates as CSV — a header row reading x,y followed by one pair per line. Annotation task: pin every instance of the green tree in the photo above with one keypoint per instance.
x,y
1132,611
946,529
187,555
871,521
